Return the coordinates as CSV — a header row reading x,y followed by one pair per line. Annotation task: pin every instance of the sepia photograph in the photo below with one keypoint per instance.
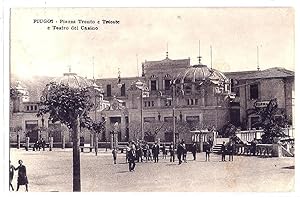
x,y
151,99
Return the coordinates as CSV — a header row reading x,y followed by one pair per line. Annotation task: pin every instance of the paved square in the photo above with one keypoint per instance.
x,y
52,171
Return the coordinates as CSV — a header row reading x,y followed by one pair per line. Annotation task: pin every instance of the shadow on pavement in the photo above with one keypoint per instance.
x,y
289,167
122,171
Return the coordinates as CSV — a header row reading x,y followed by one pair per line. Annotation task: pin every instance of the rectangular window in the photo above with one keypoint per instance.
x,y
167,84
254,91
169,119
149,119
27,108
188,101
152,102
123,91
108,90
168,102
192,101
31,107
145,104
237,91
153,85
196,101
35,107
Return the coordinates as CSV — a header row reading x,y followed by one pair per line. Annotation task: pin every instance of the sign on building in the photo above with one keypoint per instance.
x,y
261,104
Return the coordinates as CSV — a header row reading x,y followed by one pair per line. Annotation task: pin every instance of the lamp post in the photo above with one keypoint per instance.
x,y
173,99
95,88
142,87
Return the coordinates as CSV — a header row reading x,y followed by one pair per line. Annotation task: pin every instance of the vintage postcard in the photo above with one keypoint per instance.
x,y
151,99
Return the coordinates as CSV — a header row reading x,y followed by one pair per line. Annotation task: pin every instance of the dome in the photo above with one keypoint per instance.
x,y
73,80
200,73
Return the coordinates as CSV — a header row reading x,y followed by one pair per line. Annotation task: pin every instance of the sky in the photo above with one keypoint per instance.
x,y
146,34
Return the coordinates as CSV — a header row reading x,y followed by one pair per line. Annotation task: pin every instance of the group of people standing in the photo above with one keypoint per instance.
x,y
22,175
227,149
143,151
40,144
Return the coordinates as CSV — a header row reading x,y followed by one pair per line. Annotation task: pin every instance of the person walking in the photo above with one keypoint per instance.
x,y
43,144
127,152
180,152
171,149
194,150
184,153
164,151
155,151
131,159
11,175
22,176
207,151
114,154
223,151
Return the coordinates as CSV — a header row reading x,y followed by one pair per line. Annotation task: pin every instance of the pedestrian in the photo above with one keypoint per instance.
x,y
180,152
223,151
253,146
22,176
131,158
150,153
155,151
230,149
11,175
194,150
210,141
184,153
207,151
43,144
171,150
114,153
164,151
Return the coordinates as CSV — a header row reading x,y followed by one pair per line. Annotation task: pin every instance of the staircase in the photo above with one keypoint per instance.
x,y
217,148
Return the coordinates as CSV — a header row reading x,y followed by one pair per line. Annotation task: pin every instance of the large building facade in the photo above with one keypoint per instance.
x,y
197,97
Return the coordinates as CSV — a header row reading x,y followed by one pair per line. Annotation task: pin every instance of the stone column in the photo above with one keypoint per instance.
x,y
51,144
123,126
27,144
63,140
18,140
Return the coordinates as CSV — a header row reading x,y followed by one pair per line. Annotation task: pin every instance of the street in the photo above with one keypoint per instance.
x,y
52,171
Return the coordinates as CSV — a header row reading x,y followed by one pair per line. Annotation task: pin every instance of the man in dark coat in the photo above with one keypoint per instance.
x,y
223,151
22,176
171,149
155,151
180,150
207,151
131,159
194,150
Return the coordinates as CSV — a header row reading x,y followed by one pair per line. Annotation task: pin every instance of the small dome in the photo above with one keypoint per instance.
x,y
73,80
200,73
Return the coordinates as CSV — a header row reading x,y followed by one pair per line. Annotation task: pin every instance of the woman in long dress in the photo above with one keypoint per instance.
x,y
22,176
11,175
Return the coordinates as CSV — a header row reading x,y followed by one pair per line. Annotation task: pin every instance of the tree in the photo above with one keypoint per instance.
x,y
152,129
272,126
15,96
70,106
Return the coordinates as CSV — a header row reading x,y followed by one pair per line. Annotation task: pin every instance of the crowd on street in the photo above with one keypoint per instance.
x,y
145,152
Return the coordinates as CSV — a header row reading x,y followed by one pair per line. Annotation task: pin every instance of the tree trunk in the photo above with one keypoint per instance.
x,y
96,144
18,141
76,156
